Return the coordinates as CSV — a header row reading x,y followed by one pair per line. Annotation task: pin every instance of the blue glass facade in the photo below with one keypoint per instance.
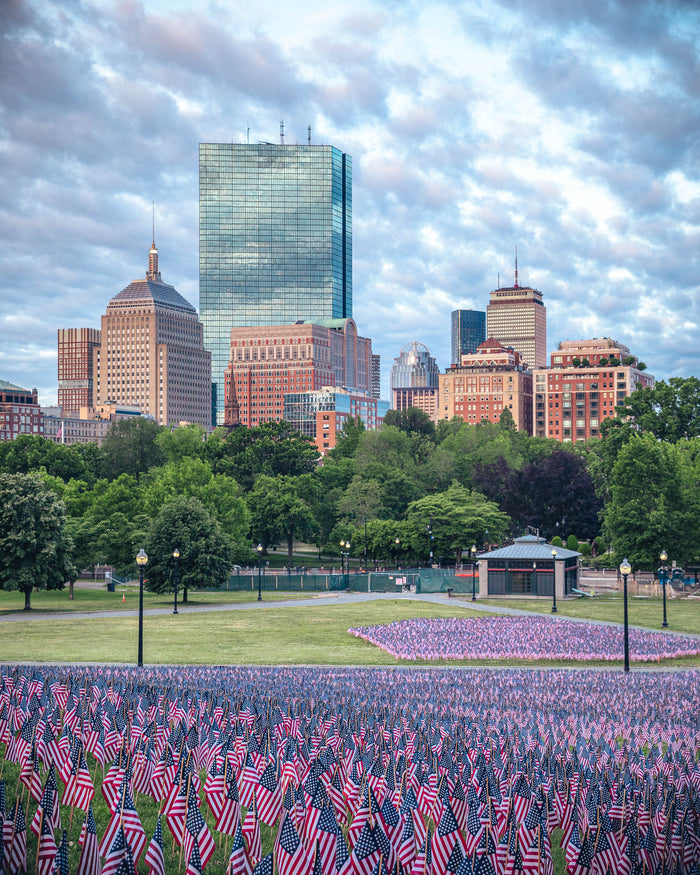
x,y
275,240
468,331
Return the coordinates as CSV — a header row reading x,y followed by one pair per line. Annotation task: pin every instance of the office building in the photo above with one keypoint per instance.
x,y
587,380
468,331
375,389
19,412
485,384
89,425
275,240
151,353
415,380
320,415
267,362
517,318
75,363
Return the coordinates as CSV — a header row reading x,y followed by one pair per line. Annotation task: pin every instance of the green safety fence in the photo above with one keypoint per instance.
x,y
414,580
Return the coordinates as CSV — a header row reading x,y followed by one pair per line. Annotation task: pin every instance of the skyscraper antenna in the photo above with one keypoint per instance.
x,y
499,281
516,268
153,221
247,135
281,132
308,133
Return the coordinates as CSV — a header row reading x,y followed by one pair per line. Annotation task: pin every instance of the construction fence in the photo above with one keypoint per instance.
x,y
406,580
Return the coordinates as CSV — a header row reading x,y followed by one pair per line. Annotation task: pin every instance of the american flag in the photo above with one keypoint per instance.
x,y
292,858
15,839
238,863
194,861
61,861
196,831
89,856
155,859
46,853
251,831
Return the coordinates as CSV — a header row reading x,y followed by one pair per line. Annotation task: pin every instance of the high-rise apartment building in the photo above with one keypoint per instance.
x,y
587,380
151,353
485,384
415,380
75,362
468,331
275,240
517,318
375,389
270,361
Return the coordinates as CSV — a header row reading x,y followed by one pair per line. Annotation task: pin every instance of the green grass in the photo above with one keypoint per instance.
x,y
280,635
683,614
58,601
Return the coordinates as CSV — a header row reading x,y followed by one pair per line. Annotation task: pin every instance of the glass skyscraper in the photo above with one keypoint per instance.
x,y
468,331
275,240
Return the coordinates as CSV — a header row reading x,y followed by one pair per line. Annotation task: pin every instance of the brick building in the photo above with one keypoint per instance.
x,y
269,361
587,380
75,367
19,412
485,383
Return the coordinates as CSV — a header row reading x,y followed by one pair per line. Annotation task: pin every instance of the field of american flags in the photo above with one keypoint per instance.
x,y
532,638
337,771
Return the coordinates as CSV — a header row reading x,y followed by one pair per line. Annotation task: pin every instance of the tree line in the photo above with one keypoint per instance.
x,y
408,491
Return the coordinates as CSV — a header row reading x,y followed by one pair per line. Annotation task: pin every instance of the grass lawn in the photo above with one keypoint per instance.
x,y
274,636
683,615
101,600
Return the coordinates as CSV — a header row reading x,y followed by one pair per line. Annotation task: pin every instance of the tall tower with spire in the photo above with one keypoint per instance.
x,y
151,352
517,318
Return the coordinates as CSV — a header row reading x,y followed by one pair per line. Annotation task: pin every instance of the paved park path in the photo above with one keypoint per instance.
x,y
321,599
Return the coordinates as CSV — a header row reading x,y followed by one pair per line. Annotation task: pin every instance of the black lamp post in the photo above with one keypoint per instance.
x,y
429,530
473,555
141,561
260,550
398,544
345,556
176,556
625,569
554,584
365,522
663,574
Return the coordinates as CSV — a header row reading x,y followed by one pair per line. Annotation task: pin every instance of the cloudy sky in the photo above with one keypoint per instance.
x,y
569,129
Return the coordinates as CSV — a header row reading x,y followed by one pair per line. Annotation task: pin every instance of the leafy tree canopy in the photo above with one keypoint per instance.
x,y
411,420
31,453
347,440
272,448
130,447
183,442
35,549
669,410
206,555
283,507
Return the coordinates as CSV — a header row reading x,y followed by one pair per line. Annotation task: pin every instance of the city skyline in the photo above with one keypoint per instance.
x,y
569,133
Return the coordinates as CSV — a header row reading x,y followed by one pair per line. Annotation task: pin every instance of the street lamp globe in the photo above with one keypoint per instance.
x,y
625,567
176,553
664,556
141,558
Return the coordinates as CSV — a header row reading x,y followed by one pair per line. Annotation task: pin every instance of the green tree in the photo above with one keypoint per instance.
x,y
669,410
283,508
272,448
348,438
31,453
130,447
648,510
35,549
572,543
219,494
183,442
459,517
361,500
411,420
117,538
206,555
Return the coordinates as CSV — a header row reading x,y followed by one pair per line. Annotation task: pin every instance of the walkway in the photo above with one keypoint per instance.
x,y
321,599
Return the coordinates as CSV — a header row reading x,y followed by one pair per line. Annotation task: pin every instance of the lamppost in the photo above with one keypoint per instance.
x,y
663,574
346,556
259,548
365,522
554,583
141,560
473,555
398,544
176,556
625,569
429,530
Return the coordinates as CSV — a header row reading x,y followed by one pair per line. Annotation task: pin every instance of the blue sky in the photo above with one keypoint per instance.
x,y
571,130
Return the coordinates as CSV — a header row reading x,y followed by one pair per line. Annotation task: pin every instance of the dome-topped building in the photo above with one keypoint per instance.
x,y
415,378
151,352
